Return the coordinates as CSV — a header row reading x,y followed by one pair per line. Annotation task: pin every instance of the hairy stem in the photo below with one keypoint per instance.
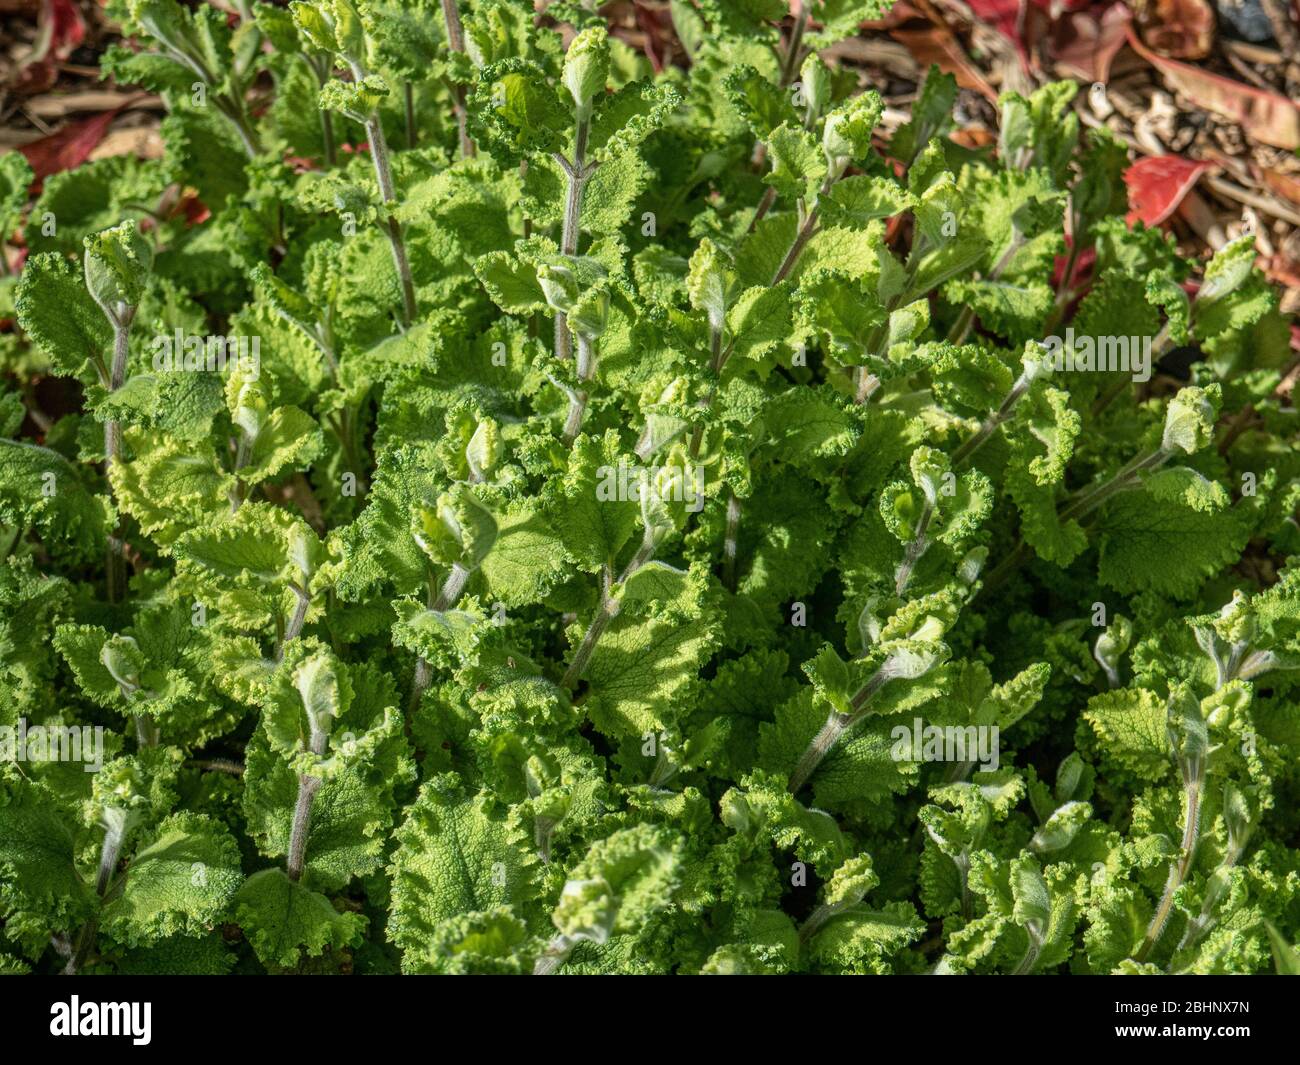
x,y
1030,959
729,540
456,41
790,61
296,622
920,543
1083,504
818,918
576,175
327,139
991,423
796,247
836,726
962,326
297,859
865,385
764,205
232,108
1159,345
109,853
320,68
556,954
308,786
393,228
448,596
1178,870
606,612
578,397
115,561
146,730
1127,477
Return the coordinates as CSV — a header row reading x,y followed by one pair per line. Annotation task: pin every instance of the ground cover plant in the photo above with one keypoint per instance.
x,y
525,512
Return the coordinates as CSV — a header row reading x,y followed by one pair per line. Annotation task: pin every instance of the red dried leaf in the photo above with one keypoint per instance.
x,y
1285,185
936,44
973,137
1181,29
35,78
193,210
1004,16
1266,116
67,28
68,147
658,35
1157,185
61,30
1085,43
1024,22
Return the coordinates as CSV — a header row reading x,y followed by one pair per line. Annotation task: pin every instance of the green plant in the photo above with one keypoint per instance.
x,y
553,518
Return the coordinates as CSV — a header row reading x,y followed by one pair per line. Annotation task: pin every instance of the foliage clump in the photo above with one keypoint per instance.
x,y
542,517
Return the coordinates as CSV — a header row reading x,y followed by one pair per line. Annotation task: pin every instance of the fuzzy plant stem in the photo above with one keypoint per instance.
x,y
1127,477
919,545
790,61
387,193
1193,782
990,425
109,853
818,918
576,174
328,146
456,41
556,954
308,786
797,245
1083,504
606,612
298,619
320,69
834,729
115,560
789,65
1159,345
237,115
865,385
962,326
578,396
229,105
1201,924
448,596
1030,959
146,731
729,541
